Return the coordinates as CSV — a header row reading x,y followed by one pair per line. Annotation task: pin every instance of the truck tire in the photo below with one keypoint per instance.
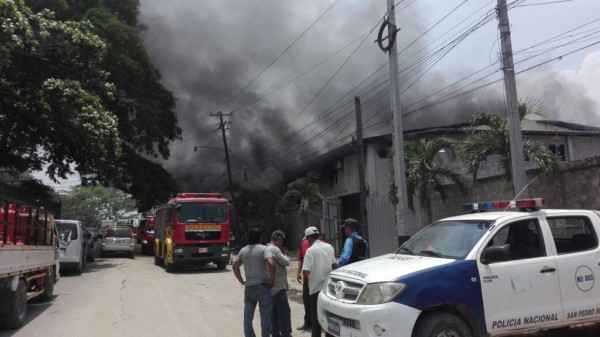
x,y
48,286
15,318
79,267
168,267
441,324
221,265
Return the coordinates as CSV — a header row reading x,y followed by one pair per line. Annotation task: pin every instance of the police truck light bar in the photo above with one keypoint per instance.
x,y
521,204
199,195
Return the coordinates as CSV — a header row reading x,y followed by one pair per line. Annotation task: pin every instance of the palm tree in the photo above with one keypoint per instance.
x,y
304,191
494,140
424,177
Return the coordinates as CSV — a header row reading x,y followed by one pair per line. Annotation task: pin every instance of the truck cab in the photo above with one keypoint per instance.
x,y
146,234
481,274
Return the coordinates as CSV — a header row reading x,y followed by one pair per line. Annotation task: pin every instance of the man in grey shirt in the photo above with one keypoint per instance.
x,y
259,268
280,316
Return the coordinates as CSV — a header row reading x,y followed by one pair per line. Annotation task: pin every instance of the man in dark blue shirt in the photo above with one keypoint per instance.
x,y
355,247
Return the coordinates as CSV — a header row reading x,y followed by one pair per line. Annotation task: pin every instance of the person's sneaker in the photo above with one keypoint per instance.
x,y
304,327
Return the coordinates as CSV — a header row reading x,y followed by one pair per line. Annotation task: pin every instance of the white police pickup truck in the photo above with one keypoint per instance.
x,y
479,274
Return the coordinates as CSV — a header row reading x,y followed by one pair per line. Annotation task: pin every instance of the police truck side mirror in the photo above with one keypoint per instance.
x,y
495,254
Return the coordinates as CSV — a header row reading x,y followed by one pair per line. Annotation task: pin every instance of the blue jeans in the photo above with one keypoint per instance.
x,y
260,294
280,318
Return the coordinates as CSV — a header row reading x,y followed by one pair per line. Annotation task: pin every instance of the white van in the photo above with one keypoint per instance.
x,y
72,245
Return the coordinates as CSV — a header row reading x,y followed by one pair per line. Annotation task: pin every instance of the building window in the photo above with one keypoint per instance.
x,y
558,150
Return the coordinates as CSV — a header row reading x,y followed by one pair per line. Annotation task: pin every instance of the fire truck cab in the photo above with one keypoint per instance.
x,y
193,229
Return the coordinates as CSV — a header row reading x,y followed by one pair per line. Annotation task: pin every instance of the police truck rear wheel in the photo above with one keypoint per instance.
x,y
441,324
15,318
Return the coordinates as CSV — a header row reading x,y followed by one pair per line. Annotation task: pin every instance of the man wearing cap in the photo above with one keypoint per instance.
x,y
317,264
355,247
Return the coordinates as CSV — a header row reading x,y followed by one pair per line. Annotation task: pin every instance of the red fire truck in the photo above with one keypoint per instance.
x,y
193,229
146,234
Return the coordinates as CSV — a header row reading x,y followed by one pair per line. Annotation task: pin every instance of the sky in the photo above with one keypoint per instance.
x,y
288,72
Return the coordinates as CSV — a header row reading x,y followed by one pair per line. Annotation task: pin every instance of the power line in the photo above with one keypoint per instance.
x,y
545,3
237,94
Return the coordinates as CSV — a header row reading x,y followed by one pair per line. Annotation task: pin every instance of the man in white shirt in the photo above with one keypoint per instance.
x,y
316,266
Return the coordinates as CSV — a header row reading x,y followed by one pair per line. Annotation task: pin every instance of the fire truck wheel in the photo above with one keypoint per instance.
x,y
15,318
168,267
48,286
221,265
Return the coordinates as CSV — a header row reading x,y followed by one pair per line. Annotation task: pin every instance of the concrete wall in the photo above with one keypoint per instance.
x,y
585,147
575,187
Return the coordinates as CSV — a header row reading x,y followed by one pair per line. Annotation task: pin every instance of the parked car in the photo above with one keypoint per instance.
x,y
118,240
72,245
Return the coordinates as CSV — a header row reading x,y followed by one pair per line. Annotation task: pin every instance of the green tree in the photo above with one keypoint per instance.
x,y
78,91
304,191
490,136
144,108
424,177
53,95
92,204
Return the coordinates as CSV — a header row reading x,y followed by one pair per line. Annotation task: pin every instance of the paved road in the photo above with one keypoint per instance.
x,y
125,297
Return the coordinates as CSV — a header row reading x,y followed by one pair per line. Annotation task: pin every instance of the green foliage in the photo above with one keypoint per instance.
x,y
53,94
490,136
92,204
424,176
77,89
25,183
145,180
304,191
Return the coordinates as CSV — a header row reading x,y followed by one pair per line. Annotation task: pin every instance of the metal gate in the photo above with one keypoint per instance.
x,y
330,226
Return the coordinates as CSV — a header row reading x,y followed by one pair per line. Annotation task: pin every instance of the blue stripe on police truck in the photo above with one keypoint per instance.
x,y
455,282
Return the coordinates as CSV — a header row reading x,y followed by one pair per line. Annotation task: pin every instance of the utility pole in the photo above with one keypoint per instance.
x,y
361,163
398,138
223,125
517,156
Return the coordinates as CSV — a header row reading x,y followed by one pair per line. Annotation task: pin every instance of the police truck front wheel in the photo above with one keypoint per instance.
x,y
441,324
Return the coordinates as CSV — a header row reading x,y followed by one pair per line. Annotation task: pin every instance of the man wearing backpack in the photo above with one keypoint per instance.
x,y
355,247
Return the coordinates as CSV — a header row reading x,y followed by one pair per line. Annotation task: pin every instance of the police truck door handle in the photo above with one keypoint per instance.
x,y
547,270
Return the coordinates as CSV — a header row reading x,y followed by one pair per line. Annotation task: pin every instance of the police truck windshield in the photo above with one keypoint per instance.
x,y
202,212
446,239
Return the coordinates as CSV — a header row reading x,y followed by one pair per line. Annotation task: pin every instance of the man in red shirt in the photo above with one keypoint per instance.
x,y
307,326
